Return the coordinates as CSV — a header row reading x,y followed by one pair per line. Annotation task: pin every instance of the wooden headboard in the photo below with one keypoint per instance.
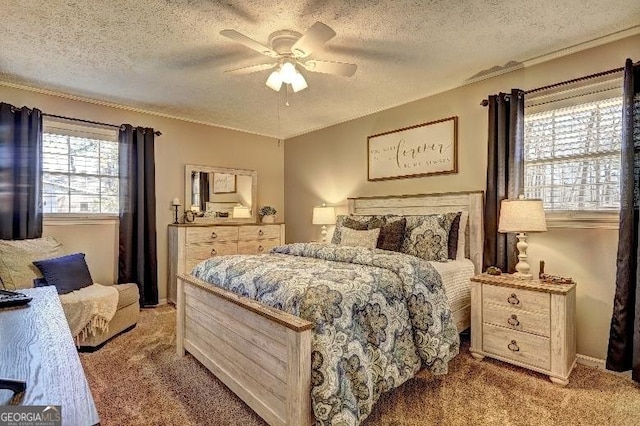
x,y
420,204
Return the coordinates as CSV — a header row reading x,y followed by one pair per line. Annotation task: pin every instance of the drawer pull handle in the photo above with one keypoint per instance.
x,y
260,232
513,321
214,235
260,248
513,346
513,299
213,252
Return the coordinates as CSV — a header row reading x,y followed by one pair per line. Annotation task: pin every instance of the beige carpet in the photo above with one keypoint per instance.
x,y
137,379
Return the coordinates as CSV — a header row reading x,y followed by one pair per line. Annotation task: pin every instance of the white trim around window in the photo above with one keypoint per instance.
x,y
66,219
583,219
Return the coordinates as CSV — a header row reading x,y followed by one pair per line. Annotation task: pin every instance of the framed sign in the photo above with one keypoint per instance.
x,y
224,183
421,150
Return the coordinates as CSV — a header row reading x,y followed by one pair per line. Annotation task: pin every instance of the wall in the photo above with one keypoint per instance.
x,y
330,165
181,143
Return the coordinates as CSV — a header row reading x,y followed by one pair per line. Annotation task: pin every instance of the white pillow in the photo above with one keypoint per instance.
x,y
367,238
464,218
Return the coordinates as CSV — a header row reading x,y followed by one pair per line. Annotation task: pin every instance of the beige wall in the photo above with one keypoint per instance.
x,y
330,165
181,143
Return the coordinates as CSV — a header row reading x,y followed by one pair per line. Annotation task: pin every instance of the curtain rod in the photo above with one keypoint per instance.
x,y
157,132
485,102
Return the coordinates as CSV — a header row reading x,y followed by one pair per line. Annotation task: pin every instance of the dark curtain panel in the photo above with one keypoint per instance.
x,y
624,337
20,173
204,190
505,174
137,261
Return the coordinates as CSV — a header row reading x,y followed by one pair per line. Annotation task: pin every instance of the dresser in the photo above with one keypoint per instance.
x,y
524,322
37,348
190,244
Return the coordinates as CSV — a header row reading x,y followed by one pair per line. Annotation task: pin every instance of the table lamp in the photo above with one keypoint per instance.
x,y
324,215
520,216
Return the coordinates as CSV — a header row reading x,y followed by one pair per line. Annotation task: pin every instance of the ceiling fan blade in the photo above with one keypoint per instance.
x,y
330,67
251,68
312,40
249,42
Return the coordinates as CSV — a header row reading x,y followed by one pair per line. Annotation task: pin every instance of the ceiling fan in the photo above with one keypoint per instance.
x,y
287,49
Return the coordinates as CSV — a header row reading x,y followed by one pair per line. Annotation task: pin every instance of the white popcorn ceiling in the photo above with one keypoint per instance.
x,y
167,56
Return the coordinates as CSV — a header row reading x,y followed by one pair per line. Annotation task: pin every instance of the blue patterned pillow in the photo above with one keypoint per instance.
x,y
340,223
427,236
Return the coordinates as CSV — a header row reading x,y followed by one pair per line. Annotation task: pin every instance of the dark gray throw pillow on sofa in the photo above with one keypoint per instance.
x,y
67,273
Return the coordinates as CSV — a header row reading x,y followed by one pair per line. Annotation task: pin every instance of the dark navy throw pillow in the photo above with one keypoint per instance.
x,y
67,273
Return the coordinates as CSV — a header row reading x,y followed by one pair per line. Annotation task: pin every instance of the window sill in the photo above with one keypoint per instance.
x,y
583,219
63,219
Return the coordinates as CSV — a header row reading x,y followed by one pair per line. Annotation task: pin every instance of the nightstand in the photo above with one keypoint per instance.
x,y
526,323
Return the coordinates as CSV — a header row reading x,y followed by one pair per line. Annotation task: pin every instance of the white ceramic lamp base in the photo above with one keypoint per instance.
x,y
324,233
522,267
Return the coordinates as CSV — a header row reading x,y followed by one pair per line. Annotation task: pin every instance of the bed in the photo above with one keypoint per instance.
x,y
264,354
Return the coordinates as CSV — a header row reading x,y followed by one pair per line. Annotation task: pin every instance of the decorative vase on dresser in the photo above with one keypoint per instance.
x,y
270,218
526,323
190,244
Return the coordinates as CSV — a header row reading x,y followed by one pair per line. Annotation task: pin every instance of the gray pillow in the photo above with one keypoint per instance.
x,y
364,238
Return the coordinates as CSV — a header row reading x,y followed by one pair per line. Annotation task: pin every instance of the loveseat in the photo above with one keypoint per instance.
x,y
17,271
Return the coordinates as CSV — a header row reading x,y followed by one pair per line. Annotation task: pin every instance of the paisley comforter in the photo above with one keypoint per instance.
x,y
379,317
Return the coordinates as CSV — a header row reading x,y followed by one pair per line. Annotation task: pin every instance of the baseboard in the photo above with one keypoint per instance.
x,y
600,364
162,302
591,361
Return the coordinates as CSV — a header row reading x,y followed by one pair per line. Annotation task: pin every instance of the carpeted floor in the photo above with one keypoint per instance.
x,y
137,379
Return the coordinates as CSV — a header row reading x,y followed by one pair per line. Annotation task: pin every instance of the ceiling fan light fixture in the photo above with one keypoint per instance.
x,y
298,83
288,72
274,81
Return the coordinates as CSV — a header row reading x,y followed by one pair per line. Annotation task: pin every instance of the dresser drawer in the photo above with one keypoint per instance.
x,y
517,319
259,232
211,234
257,247
515,345
196,253
514,298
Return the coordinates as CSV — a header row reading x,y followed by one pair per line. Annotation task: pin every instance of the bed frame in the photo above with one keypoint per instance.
x,y
264,355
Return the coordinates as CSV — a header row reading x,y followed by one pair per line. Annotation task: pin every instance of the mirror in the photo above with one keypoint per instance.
x,y
218,194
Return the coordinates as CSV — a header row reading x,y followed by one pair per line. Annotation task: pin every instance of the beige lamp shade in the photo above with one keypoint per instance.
x,y
325,215
241,212
522,216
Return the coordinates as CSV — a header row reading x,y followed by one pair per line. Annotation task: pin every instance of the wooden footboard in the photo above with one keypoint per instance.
x,y
262,354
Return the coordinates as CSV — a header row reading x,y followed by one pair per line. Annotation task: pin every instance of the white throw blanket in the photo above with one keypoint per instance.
x,y
89,309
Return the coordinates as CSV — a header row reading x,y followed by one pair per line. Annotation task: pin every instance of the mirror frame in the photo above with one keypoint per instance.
x,y
190,168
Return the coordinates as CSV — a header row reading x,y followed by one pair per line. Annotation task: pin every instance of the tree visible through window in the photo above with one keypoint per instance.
x,y
80,172
572,156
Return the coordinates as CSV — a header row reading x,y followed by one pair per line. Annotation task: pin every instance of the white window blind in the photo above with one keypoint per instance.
x,y
572,155
80,168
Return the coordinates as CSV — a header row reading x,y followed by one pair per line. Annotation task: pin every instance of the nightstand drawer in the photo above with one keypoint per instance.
x,y
515,298
257,247
522,347
211,234
517,319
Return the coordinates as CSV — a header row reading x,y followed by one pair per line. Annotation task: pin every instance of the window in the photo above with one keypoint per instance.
x,y
572,155
80,169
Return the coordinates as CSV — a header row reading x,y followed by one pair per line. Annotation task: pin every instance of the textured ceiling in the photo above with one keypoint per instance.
x,y
167,56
